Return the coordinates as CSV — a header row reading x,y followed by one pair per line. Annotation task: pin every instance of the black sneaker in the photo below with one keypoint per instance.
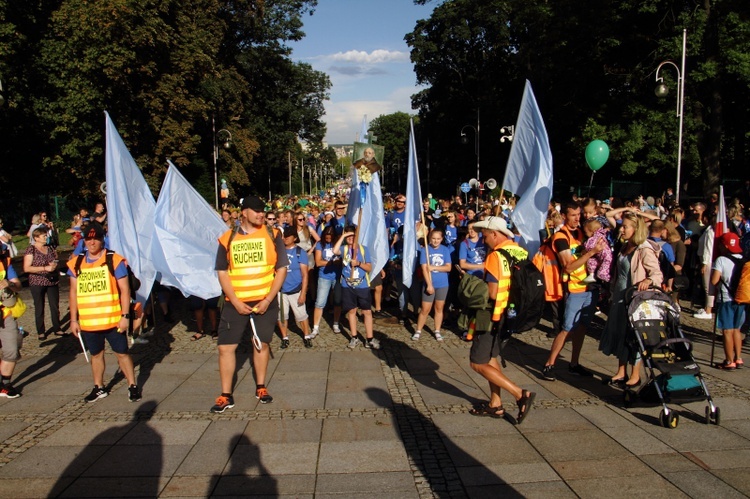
x,y
579,370
263,395
548,374
9,392
96,394
308,343
284,342
222,404
134,393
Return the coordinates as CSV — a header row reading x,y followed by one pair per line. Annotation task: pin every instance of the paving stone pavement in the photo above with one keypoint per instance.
x,y
362,423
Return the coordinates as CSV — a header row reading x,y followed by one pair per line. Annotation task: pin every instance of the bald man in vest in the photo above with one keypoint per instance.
x,y
251,263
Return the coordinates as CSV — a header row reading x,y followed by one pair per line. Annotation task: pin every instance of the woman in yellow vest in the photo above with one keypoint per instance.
x,y
9,286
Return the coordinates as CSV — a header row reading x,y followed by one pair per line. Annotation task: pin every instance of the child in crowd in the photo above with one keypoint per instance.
x,y
599,266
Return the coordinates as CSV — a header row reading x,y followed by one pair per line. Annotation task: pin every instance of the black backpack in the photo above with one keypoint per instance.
x,y
526,294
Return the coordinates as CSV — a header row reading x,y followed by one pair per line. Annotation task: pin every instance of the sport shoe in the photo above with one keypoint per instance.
x,y
222,404
262,395
284,342
336,328
9,392
438,336
415,336
702,314
579,370
373,343
548,374
308,342
314,333
134,393
354,343
96,394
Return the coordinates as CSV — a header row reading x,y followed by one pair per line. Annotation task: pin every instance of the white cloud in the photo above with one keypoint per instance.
x,y
379,56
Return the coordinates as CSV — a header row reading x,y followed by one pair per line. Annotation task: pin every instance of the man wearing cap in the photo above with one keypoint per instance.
x,y
251,263
100,309
730,315
486,346
580,298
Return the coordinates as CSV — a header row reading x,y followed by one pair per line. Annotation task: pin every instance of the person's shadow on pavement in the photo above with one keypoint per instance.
x,y
246,474
129,456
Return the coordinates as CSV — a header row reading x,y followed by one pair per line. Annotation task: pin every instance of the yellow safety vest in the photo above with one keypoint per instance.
x,y
252,263
97,294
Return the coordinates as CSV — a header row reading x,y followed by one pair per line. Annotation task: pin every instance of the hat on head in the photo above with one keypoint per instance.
x,y
95,231
731,242
289,231
495,223
254,203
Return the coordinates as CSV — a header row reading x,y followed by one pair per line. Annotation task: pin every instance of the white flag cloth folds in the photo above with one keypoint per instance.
x,y
131,206
529,172
185,246
413,211
363,130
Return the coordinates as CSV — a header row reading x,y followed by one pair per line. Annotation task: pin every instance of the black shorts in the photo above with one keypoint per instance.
x,y
233,325
352,298
95,341
485,346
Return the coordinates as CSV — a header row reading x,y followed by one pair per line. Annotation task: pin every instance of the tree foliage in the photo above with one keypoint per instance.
x,y
169,73
591,65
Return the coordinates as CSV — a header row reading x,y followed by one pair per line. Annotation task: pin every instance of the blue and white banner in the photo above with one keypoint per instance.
x,y
413,211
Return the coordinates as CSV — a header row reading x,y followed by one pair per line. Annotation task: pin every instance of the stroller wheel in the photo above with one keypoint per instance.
x,y
715,418
708,415
669,420
628,398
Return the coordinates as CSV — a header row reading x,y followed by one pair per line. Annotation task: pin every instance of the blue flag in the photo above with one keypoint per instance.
x,y
529,172
185,246
413,211
363,131
131,210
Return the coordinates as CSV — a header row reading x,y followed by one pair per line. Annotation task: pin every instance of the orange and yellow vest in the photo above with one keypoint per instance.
x,y
574,279
252,263
5,264
499,267
97,293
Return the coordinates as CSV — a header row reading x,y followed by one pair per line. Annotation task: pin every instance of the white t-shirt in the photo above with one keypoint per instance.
x,y
725,266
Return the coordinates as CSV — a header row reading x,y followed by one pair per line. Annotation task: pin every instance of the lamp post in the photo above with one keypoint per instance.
x,y
465,140
662,91
289,162
224,137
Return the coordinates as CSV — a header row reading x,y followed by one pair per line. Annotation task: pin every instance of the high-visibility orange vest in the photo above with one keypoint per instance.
x,y
97,293
252,263
574,279
499,267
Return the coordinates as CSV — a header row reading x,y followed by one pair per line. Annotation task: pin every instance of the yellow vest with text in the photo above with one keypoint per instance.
x,y
575,278
252,263
499,267
97,294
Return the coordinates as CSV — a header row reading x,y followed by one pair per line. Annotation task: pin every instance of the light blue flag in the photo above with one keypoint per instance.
x,y
131,206
363,131
373,233
529,172
187,229
413,211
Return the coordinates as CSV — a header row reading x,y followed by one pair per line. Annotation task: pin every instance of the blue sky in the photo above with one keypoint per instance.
x,y
360,45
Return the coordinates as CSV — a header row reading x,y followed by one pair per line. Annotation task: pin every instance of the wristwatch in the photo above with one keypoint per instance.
x,y
126,316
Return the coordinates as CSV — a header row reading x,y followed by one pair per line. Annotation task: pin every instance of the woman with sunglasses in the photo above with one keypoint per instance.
x,y
307,240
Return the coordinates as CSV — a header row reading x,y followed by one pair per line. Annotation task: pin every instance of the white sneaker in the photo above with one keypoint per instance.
x,y
702,314
415,336
438,336
336,328
314,333
354,343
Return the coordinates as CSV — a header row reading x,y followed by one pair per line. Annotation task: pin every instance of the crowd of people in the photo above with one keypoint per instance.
x,y
294,256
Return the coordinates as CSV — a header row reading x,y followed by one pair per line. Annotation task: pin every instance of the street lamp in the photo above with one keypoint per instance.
x,y
465,140
224,137
289,162
507,133
662,91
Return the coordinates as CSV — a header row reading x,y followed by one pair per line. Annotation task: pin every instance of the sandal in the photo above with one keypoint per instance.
x,y
487,411
197,336
214,335
61,333
739,363
728,366
617,382
524,405
42,337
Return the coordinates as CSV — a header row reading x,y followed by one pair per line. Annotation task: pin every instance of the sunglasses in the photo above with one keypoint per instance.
x,y
270,218
400,201
300,219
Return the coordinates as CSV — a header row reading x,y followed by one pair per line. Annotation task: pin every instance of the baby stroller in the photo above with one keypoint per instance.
x,y
655,323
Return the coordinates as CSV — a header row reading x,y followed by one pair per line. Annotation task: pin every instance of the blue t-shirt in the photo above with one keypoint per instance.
x,y
451,234
11,272
665,248
474,253
396,220
293,279
332,269
355,273
438,256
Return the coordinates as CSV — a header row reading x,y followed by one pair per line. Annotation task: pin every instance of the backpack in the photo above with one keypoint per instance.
x,y
545,260
527,293
133,281
474,295
739,283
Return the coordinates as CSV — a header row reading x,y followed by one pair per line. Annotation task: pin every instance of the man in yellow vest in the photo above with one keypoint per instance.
x,y
99,310
485,347
580,298
251,262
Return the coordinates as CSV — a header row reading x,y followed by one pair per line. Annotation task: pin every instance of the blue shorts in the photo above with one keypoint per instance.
x,y
95,341
579,309
352,298
324,289
730,315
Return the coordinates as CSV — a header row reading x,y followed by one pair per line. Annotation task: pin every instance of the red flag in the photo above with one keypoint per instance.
x,y
720,227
